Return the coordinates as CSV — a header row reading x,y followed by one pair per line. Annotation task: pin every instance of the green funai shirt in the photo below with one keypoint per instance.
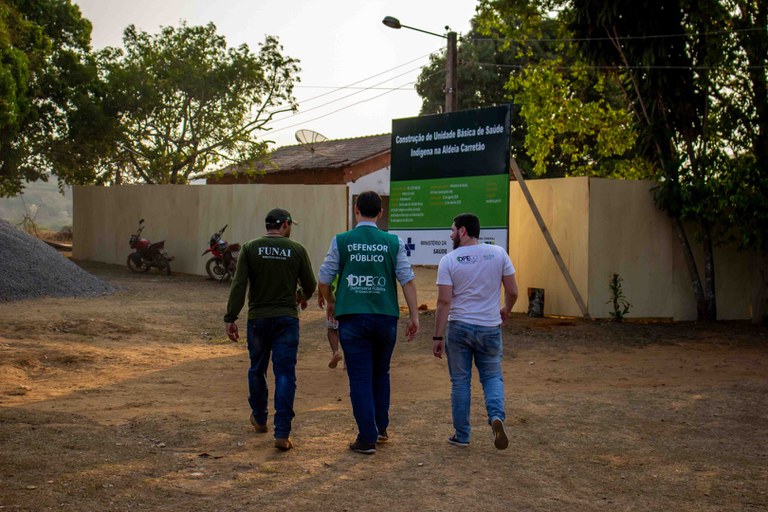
x,y
367,280
270,267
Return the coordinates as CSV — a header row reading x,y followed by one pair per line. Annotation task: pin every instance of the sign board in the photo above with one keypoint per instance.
x,y
444,165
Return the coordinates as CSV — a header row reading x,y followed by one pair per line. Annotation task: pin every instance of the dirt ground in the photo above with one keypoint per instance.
x,y
137,401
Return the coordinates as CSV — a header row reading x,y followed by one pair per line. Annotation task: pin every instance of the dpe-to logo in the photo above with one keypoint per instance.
x,y
365,281
468,259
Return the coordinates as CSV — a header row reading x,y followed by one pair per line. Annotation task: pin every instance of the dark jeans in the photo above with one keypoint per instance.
x,y
278,336
368,342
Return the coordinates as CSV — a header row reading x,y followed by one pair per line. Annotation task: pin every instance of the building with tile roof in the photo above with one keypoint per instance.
x,y
360,163
340,161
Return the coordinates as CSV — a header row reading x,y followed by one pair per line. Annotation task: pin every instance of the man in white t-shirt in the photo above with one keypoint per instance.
x,y
469,282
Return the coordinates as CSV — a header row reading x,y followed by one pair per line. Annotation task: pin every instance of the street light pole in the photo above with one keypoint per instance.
x,y
451,79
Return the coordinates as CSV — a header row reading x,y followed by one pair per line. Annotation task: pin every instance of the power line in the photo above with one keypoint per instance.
x,y
358,90
345,97
349,86
337,88
401,87
361,90
329,113
619,38
409,85
608,68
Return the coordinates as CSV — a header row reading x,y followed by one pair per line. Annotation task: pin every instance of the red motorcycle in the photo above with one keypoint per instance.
x,y
223,261
147,255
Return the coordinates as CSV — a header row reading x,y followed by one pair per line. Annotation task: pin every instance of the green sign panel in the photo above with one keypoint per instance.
x,y
432,204
442,166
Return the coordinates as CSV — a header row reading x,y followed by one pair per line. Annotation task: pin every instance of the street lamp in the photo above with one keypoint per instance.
x,y
451,88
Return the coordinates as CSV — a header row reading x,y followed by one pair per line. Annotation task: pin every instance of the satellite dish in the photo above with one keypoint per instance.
x,y
308,139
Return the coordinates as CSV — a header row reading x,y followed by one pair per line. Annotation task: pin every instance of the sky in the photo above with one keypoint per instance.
x,y
357,74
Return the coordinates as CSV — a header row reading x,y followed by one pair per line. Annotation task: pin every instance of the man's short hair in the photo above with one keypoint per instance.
x,y
369,203
470,222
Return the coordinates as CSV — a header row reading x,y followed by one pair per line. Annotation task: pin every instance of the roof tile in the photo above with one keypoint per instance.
x,y
329,154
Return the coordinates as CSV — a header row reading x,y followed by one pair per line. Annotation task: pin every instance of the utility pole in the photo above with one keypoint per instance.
x,y
451,79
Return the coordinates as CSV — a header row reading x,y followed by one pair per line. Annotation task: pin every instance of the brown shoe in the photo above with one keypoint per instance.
x,y
283,443
500,440
260,429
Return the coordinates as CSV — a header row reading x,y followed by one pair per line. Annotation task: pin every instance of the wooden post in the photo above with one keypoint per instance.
x,y
550,241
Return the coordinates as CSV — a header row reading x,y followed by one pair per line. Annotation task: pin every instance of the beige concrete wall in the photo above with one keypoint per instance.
x,y
629,235
600,226
564,206
737,279
186,216
603,226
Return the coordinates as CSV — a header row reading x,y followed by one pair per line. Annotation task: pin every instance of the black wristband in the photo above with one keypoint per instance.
x,y
437,338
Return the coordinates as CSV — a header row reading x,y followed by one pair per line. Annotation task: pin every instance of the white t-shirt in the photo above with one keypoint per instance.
x,y
475,272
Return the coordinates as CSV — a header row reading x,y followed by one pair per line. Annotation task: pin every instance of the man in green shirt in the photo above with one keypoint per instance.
x,y
271,267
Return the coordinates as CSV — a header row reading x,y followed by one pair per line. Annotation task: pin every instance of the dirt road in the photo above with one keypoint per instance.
x,y
136,401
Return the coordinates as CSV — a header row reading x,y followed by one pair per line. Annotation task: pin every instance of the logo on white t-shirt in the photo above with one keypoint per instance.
x,y
469,259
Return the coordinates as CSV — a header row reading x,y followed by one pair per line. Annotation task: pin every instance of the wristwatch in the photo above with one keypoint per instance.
x,y
437,338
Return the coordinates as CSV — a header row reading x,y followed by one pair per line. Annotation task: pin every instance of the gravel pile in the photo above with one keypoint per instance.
x,y
31,268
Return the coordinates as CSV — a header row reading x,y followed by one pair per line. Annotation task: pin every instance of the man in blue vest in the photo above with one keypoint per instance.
x,y
370,262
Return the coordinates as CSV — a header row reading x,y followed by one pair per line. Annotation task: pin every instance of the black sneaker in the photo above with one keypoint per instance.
x,y
361,447
455,442
500,440
383,437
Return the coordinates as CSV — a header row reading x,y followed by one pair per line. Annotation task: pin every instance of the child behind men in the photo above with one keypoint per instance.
x,y
333,328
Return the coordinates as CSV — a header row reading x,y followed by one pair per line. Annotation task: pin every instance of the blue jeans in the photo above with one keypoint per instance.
x,y
368,342
278,336
463,343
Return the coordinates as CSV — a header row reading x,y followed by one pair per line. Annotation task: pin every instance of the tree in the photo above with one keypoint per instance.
x,y
484,66
44,67
185,104
673,90
485,63
743,117
700,110
568,119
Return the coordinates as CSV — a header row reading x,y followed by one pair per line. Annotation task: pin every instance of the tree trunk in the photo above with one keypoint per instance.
x,y
709,274
759,310
693,271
